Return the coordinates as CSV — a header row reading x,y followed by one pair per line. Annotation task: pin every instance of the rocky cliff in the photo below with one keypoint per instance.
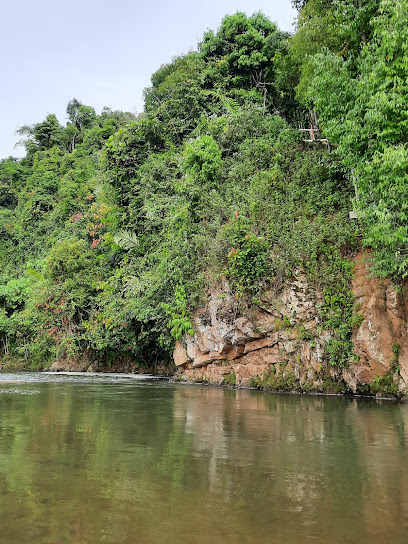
x,y
280,344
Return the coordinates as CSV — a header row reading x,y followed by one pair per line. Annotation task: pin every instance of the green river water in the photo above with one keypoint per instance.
x,y
125,459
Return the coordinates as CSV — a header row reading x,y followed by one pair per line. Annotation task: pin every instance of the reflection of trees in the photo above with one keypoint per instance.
x,y
161,463
76,460
305,460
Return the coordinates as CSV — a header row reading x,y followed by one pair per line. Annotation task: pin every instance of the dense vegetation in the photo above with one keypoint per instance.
x,y
113,227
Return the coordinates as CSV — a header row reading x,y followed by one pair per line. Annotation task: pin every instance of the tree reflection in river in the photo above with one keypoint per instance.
x,y
153,462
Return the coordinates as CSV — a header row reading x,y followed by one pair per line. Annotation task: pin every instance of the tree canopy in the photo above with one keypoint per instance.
x,y
114,226
360,93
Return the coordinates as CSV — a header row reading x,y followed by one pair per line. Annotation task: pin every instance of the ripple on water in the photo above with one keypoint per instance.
x,y
15,390
74,377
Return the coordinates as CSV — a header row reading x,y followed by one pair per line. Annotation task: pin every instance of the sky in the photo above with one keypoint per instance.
x,y
99,52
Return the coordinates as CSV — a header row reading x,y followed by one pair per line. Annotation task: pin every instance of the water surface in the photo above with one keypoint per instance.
x,y
126,459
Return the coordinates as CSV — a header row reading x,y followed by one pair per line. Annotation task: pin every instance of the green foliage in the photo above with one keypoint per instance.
x,y
68,258
42,136
202,162
385,387
179,322
126,239
249,264
361,95
395,363
282,379
138,238
246,51
274,380
230,379
114,226
245,42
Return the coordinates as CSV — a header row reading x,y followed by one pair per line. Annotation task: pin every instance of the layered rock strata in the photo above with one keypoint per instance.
x,y
282,338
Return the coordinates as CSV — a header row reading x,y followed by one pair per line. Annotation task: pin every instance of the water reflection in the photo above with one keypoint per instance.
x,y
151,462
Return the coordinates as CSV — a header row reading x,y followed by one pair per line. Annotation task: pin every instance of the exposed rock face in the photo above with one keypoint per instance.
x,y
180,356
382,339
283,338
279,337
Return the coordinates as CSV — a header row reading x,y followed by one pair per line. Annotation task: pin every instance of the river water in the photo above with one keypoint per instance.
x,y
127,459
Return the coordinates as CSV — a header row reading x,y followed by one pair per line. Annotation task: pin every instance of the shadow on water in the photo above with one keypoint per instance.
x,y
124,460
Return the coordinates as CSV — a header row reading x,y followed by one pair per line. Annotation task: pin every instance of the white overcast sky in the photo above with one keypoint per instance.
x,y
100,52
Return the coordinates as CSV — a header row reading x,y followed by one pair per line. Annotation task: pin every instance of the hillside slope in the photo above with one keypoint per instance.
x,y
117,230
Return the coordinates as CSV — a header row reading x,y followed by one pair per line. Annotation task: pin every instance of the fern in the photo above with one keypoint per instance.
x,y
126,239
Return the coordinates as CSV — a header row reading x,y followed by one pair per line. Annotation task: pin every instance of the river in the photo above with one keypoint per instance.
x,y
129,459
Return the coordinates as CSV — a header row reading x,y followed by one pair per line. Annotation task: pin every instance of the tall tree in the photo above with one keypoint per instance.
x,y
42,136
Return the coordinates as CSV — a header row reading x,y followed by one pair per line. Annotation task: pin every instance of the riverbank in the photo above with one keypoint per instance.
x,y
84,364
382,389
348,394
282,343
369,393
